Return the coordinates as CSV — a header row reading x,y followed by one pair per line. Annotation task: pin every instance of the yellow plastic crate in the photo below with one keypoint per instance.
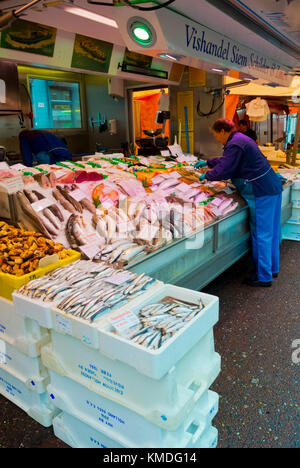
x,y
9,283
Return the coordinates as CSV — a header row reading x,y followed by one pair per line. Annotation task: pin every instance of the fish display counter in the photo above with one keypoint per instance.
x,y
148,215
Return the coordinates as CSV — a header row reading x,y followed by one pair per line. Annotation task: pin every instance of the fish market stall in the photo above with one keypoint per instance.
x,y
101,345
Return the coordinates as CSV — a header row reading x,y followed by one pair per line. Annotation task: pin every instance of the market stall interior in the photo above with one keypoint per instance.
x,y
109,224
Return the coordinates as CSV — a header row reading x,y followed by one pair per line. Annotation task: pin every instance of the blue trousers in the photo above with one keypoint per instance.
x,y
266,236
265,226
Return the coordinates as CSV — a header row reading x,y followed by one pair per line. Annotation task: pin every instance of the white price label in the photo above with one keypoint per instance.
x,y
176,150
59,174
42,204
119,278
78,195
124,322
46,261
107,204
183,187
216,211
13,184
90,250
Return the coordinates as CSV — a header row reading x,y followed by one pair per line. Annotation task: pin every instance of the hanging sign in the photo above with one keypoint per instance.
x,y
192,39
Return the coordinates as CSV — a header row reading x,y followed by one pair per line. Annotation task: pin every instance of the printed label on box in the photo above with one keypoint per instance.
x,y
63,324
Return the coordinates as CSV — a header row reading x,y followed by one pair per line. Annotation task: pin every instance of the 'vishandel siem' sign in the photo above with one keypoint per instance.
x,y
193,39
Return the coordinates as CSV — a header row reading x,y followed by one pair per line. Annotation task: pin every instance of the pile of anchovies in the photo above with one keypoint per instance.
x,y
159,322
81,289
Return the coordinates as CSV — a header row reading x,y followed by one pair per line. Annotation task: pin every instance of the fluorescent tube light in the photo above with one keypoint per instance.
x,y
91,16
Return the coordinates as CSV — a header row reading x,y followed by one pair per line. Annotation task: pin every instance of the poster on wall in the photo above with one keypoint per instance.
x,y
29,37
91,54
137,60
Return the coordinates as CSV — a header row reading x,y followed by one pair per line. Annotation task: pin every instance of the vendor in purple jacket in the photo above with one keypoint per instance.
x,y
251,173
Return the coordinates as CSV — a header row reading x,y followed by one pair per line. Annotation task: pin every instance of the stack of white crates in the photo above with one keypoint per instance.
x,y
23,377
291,230
114,393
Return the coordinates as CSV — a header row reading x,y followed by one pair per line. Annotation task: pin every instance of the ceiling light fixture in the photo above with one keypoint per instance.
x,y
91,16
218,70
167,56
141,31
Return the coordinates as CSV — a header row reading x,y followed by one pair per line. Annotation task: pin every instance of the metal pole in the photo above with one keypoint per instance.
x,y
296,142
25,7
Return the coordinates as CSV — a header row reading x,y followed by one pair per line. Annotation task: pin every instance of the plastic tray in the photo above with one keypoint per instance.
x,y
9,283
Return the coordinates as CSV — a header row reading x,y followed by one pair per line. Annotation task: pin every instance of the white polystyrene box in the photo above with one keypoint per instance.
x,y
164,401
78,434
119,423
156,363
21,332
34,309
49,316
30,371
85,331
36,405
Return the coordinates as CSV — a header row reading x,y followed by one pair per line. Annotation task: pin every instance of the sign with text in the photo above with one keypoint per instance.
x,y
195,40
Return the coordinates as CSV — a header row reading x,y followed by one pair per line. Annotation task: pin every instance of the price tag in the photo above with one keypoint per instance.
x,y
165,154
46,261
216,211
13,184
42,204
119,278
108,203
124,322
59,174
91,249
78,195
183,187
176,150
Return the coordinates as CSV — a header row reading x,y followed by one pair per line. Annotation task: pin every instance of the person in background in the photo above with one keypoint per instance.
x,y
251,173
41,147
243,127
